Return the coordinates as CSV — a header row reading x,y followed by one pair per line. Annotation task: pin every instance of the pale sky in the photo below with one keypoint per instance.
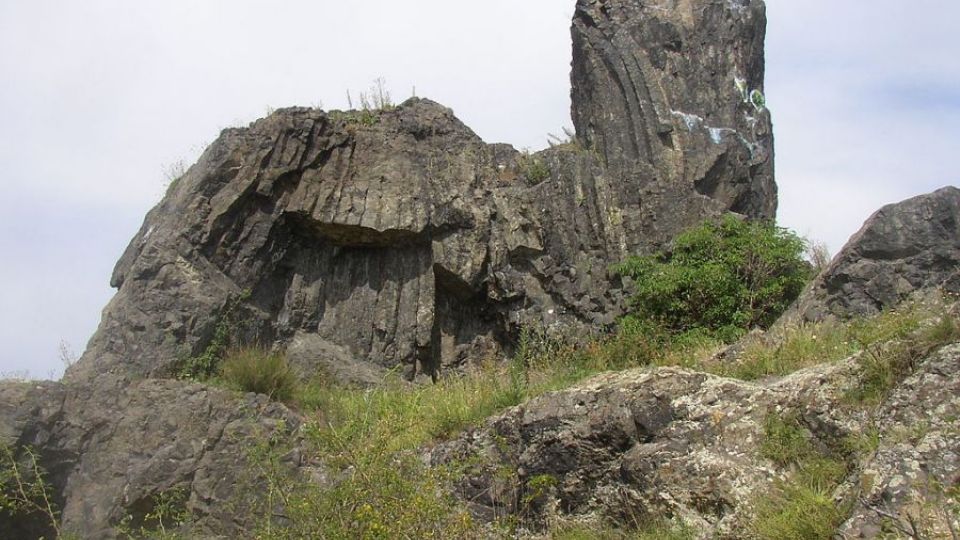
x,y
99,98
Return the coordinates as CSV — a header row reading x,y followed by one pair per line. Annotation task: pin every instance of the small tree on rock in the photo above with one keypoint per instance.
x,y
723,277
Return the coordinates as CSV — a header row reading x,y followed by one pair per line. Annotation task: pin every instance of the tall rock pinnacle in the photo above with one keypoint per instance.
x,y
671,93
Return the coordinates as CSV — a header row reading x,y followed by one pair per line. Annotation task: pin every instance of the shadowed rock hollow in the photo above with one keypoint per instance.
x,y
398,238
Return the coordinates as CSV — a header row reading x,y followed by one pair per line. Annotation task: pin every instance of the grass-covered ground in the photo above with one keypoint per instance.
x,y
369,439
371,436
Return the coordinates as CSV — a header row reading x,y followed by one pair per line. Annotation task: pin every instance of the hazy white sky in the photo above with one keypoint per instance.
x,y
99,98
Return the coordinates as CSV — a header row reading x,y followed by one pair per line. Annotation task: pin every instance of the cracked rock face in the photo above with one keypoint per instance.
x,y
110,450
640,444
399,238
673,443
905,247
910,476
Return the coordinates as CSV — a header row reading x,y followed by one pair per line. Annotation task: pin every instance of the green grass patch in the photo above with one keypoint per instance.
x,y
802,346
801,507
369,438
398,415
252,369
894,344
796,512
891,342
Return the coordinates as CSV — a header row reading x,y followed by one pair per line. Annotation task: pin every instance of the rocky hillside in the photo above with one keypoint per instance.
x,y
363,244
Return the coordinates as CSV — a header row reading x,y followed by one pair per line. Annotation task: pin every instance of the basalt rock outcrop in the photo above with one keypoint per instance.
x,y
112,451
363,241
398,238
903,248
366,240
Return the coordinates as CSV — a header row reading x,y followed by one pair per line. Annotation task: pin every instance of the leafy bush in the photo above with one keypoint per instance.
x,y
723,277
257,370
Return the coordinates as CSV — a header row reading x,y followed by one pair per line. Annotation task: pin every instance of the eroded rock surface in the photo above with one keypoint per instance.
x,y
400,238
673,92
671,443
909,246
910,485
111,450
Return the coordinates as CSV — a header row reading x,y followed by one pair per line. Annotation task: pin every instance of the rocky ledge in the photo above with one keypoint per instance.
x,y
642,445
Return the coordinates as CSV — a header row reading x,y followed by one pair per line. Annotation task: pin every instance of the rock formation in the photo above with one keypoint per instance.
x,y
398,238
644,444
112,449
672,93
905,247
365,240
362,241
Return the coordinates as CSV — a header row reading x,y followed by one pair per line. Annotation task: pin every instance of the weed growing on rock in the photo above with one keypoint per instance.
x,y
166,512
26,498
937,515
252,369
535,170
802,506
225,335
377,98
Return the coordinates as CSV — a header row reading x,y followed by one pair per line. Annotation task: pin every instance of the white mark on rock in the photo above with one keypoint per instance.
x,y
692,121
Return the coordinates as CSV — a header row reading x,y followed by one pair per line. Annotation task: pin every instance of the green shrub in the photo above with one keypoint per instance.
x,y
257,370
725,277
